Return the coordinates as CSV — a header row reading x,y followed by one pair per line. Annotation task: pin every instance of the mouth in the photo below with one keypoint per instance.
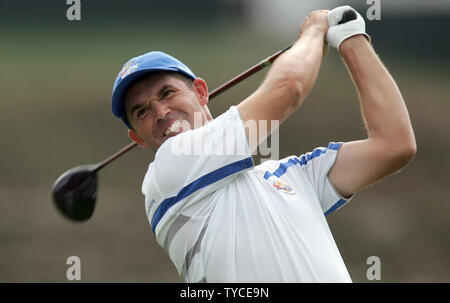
x,y
174,129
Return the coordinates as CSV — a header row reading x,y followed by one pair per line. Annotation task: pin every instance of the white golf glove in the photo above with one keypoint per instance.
x,y
337,33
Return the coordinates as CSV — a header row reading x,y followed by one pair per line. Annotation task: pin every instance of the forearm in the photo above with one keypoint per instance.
x,y
390,144
298,68
290,78
384,111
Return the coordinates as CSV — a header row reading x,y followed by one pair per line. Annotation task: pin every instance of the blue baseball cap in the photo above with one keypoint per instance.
x,y
135,68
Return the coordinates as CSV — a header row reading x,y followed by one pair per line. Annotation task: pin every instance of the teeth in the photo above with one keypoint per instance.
x,y
173,128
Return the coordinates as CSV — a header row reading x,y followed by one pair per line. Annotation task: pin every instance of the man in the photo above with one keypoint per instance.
x,y
219,217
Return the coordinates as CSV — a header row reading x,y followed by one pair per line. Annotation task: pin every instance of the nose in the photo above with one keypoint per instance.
x,y
161,111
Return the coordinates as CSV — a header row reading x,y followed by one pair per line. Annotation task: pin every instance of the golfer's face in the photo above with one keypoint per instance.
x,y
162,106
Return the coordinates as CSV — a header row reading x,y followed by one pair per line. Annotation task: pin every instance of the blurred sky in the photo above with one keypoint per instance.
x,y
56,81
280,16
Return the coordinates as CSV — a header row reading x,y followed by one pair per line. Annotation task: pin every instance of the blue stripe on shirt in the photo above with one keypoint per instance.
x,y
335,206
198,184
303,160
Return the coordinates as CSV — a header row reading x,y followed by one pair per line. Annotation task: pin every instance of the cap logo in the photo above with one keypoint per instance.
x,y
130,67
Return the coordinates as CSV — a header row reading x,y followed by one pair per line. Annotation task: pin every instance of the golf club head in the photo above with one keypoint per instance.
x,y
75,192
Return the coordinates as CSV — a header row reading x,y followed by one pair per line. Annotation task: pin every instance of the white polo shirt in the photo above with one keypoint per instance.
x,y
222,219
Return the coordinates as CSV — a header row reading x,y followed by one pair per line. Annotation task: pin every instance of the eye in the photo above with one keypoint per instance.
x,y
141,112
167,93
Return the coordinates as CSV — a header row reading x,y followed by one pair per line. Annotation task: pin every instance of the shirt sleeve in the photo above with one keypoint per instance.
x,y
195,163
311,169
317,165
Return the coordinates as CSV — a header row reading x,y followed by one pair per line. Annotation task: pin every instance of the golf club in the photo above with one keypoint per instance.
x,y
75,191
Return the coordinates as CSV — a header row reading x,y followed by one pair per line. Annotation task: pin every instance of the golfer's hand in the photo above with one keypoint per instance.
x,y
317,23
337,33
316,20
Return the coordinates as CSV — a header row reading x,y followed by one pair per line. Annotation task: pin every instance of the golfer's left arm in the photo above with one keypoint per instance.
x,y
391,143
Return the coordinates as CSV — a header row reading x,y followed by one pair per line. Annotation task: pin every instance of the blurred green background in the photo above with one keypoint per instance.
x,y
56,79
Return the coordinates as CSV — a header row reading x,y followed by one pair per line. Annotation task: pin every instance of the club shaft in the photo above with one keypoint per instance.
x,y
247,73
244,75
115,156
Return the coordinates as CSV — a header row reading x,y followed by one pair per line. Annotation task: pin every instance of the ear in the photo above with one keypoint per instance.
x,y
135,137
201,89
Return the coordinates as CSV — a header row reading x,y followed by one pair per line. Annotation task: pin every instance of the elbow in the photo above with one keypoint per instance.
x,y
409,146
403,153
411,150
407,154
